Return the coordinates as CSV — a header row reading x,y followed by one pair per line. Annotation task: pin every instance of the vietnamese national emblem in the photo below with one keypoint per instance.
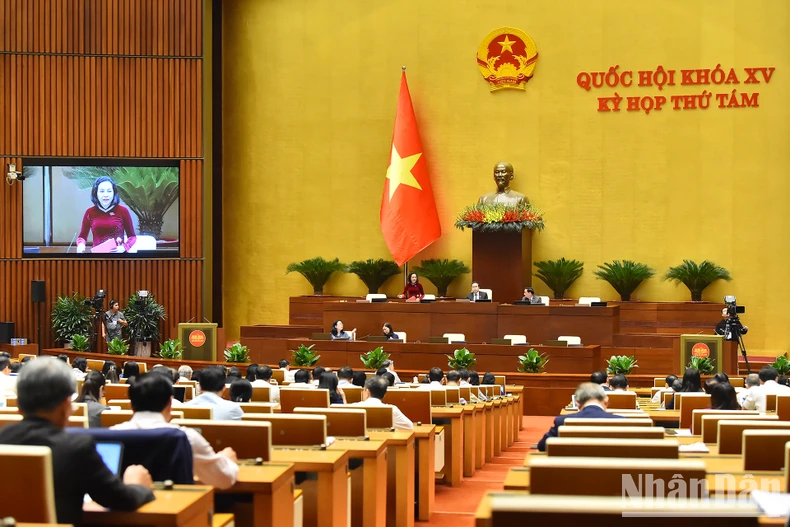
x,y
506,58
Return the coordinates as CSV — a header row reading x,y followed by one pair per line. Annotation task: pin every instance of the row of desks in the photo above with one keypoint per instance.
x,y
383,489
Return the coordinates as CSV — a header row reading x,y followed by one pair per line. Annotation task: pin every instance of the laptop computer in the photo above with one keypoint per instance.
x,y
597,304
112,455
180,392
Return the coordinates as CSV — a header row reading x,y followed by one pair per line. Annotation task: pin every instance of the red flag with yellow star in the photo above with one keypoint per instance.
x,y
409,220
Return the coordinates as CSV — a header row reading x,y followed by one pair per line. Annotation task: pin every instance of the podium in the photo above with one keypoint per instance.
x,y
198,341
502,262
705,346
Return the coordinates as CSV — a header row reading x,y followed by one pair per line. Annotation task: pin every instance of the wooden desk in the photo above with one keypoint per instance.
x,y
185,505
400,475
470,418
272,487
517,391
451,418
480,434
368,483
325,499
489,432
425,435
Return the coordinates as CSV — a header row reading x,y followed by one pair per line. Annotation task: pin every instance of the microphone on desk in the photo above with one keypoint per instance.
x,y
72,241
363,338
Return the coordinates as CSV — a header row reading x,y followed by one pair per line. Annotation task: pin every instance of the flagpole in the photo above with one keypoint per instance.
x,y
406,264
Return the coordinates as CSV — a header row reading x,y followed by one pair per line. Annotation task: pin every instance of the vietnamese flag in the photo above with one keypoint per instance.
x,y
409,220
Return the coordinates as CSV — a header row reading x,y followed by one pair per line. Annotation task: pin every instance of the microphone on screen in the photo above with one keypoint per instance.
x,y
72,241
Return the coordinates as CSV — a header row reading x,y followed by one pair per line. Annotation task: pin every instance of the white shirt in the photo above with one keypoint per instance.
x,y
7,385
274,390
433,385
399,421
343,383
209,467
223,410
397,379
304,385
78,374
289,374
658,397
757,396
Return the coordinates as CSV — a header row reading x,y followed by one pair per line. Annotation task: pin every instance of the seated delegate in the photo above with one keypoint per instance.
x,y
338,333
476,293
529,296
388,332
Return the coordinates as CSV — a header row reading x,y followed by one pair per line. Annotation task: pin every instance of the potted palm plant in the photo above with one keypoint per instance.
x,y
374,273
317,271
624,276
374,358
441,273
559,274
697,276
532,361
144,315
71,315
148,191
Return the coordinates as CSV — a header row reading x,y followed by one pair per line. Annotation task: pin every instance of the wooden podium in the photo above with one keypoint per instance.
x,y
198,341
502,262
711,346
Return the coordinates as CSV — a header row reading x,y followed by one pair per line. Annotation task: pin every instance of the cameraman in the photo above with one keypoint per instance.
x,y
734,323
113,321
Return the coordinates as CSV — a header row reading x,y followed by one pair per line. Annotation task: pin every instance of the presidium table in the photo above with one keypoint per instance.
x,y
479,322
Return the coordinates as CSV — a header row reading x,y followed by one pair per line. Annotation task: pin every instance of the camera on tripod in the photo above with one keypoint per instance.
x,y
97,302
733,329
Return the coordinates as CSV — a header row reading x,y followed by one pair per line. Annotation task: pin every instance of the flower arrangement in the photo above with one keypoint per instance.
x,y
500,218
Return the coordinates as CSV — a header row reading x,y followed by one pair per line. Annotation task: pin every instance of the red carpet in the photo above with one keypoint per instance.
x,y
455,507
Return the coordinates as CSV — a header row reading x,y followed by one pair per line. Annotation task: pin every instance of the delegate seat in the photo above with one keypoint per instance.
x,y
545,300
377,417
401,335
590,421
455,338
290,398
250,439
516,339
341,422
588,300
710,424
624,432
622,400
764,449
28,496
489,292
696,417
293,430
571,340
607,447
731,433
688,403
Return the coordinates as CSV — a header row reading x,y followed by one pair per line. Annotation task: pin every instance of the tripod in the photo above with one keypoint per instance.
x,y
734,332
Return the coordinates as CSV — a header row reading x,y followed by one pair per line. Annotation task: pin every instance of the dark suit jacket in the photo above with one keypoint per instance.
x,y
534,300
77,470
589,412
481,295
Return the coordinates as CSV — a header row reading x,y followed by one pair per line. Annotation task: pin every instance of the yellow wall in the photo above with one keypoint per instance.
x,y
309,101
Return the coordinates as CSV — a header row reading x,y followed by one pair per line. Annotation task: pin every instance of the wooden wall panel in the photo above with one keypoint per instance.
x,y
102,78
103,27
101,106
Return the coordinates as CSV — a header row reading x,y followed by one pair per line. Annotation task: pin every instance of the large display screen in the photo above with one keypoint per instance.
x,y
109,209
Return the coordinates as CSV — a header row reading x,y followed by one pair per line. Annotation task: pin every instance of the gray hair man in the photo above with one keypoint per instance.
x,y
591,400
44,390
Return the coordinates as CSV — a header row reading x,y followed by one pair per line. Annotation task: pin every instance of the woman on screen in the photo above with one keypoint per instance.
x,y
108,220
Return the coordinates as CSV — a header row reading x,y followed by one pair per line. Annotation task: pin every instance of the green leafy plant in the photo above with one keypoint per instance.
x,y
305,356
144,316
624,276
171,349
441,273
781,364
532,362
697,276
117,347
703,365
80,342
237,353
148,191
559,274
374,358
374,273
461,359
620,364
70,316
317,271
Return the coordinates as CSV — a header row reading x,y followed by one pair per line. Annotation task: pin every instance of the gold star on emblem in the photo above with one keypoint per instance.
x,y
399,171
507,44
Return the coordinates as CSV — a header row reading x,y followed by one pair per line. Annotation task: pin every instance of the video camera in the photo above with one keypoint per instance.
x,y
97,302
733,309
733,328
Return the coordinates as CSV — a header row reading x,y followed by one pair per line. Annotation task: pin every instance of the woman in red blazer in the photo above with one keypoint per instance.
x,y
413,288
108,220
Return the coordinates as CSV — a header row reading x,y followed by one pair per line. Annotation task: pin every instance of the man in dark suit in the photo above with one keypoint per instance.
x,y
591,401
476,293
44,391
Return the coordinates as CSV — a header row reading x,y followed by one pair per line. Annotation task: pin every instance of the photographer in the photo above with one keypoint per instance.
x,y
113,321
